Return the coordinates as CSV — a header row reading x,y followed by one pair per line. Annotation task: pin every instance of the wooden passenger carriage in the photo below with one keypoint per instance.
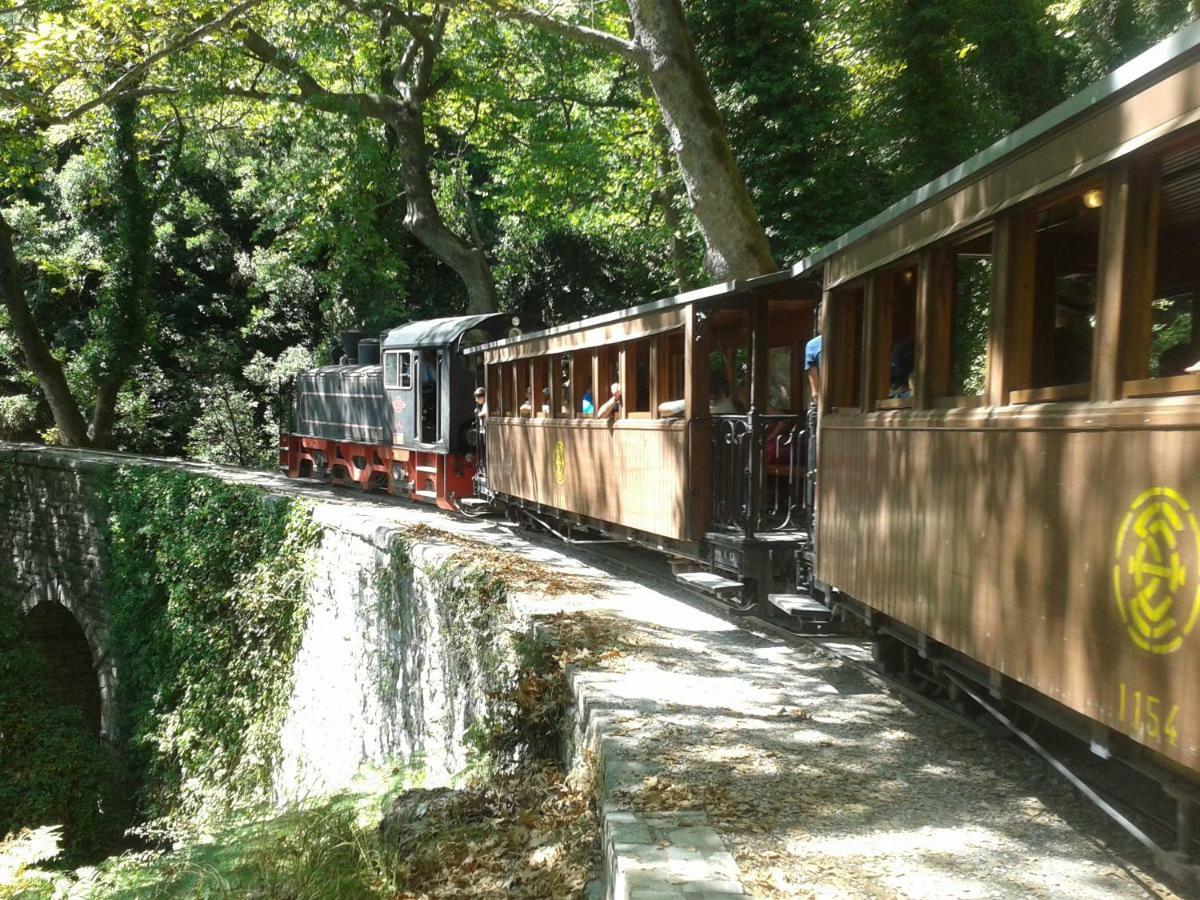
x,y
706,456
1028,515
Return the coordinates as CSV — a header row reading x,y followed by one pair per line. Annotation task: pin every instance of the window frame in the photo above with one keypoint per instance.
x,y
400,356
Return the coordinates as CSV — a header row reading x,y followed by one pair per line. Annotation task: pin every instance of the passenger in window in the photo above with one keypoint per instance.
x,y
902,363
1072,339
480,403
588,406
612,405
545,401
1177,360
720,402
526,409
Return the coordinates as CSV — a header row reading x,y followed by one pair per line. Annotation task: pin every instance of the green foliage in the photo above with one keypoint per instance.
x,y
206,586
18,413
969,330
52,771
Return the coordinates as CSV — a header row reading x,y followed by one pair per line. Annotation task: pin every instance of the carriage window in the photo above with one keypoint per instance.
x,y
495,390
564,385
971,316
842,352
523,401
671,374
1064,308
1175,329
901,331
583,398
608,367
540,393
638,399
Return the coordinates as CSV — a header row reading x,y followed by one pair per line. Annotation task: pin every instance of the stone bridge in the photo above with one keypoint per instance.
x,y
377,676
51,566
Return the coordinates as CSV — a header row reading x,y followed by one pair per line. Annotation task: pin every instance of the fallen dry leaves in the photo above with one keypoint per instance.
x,y
529,834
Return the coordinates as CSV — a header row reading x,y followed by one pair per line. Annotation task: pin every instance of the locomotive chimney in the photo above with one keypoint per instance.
x,y
368,352
350,341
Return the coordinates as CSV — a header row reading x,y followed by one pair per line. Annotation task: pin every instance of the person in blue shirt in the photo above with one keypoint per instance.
x,y
812,365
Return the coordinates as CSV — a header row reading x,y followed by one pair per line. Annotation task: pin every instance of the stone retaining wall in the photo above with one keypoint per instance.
x,y
380,674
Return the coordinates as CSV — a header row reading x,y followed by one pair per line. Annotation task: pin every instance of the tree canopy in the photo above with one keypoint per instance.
x,y
196,198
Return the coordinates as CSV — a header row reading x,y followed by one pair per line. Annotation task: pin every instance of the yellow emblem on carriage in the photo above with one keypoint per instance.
x,y
1155,570
560,462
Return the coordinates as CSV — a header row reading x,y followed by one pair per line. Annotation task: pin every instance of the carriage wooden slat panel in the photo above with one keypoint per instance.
x,y
617,473
1017,533
1113,131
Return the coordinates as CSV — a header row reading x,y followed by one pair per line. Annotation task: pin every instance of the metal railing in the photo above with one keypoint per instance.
x,y
760,465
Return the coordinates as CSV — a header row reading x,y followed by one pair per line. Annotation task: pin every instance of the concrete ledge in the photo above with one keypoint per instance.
x,y
665,856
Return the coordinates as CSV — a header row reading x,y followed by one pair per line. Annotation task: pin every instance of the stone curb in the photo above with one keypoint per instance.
x,y
665,856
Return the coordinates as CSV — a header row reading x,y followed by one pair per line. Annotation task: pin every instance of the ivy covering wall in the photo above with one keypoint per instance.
x,y
206,584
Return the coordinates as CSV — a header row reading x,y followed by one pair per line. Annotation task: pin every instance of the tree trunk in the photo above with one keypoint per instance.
x,y
128,297
424,219
736,244
665,197
42,363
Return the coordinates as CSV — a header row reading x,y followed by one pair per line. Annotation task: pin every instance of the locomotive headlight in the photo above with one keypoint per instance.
x,y
1093,199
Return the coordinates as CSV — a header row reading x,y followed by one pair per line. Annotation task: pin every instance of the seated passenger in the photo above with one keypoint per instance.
x,y
1177,360
1072,344
903,361
545,401
612,405
526,409
720,403
587,407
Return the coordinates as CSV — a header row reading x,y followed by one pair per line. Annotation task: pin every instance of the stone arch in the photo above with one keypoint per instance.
x,y
82,674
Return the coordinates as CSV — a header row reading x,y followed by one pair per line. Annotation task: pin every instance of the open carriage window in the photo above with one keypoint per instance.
x,y
582,398
842,351
540,387
1174,326
639,381
1064,307
896,340
671,375
523,399
970,317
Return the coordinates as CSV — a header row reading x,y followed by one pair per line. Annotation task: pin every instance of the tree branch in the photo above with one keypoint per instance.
x,y
312,92
132,76
603,40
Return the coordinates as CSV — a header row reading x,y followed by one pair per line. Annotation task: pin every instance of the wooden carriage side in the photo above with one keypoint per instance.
x,y
648,472
1032,505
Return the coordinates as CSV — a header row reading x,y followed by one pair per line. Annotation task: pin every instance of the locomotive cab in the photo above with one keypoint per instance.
x,y
403,421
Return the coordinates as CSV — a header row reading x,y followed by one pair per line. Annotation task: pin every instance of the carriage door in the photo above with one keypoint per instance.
x,y
429,371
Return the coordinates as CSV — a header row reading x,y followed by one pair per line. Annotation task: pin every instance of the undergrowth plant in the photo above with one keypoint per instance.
x,y
207,585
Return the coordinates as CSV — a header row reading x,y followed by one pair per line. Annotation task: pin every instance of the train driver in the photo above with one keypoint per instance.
x,y
480,403
612,405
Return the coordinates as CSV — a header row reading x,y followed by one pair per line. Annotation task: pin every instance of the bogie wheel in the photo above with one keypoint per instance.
x,y
888,654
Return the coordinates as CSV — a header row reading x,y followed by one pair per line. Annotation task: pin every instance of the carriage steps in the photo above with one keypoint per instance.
x,y
709,583
803,607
